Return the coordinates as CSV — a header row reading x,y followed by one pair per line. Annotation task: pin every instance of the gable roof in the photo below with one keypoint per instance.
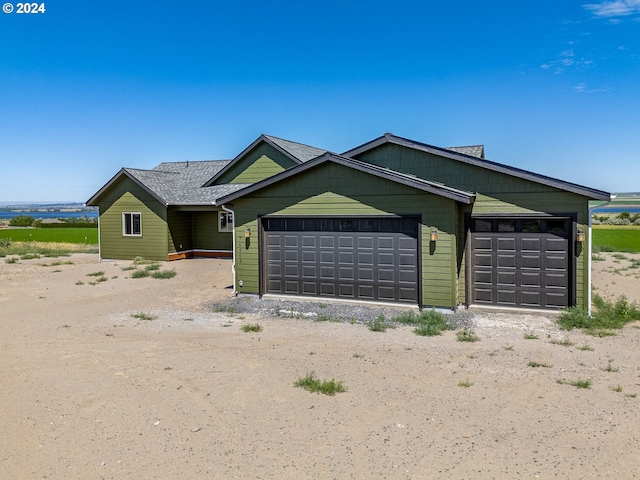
x,y
472,150
297,152
392,175
175,183
480,162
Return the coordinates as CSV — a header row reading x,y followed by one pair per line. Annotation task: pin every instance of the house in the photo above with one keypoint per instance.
x,y
391,221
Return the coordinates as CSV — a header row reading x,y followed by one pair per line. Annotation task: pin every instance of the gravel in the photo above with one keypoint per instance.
x,y
318,311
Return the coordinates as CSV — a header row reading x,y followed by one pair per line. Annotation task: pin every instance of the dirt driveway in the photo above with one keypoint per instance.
x,y
90,392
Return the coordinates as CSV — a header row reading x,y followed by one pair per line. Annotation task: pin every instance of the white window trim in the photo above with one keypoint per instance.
x,y
229,226
124,224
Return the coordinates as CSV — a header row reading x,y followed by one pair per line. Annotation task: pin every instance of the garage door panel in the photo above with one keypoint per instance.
x,y
555,245
309,241
506,278
366,292
309,256
291,270
506,297
483,260
530,261
367,259
366,274
386,293
531,257
482,243
386,275
310,288
530,279
530,298
327,256
483,295
506,244
556,280
309,271
483,277
407,276
506,261
347,290
531,245
385,243
291,287
557,262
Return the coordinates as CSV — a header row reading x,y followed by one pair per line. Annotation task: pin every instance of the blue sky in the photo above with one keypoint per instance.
x,y
89,87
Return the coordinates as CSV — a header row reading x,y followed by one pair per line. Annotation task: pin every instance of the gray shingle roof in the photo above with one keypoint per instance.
x,y
473,150
180,183
302,152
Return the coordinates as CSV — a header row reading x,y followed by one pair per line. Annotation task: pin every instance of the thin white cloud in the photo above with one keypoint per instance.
x,y
582,88
615,8
566,60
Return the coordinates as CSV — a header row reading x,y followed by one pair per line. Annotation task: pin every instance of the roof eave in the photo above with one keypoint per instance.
x,y
255,143
123,171
456,195
588,192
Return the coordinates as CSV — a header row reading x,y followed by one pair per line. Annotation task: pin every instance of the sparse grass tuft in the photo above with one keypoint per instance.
x,y
575,383
465,383
530,336
379,324
138,273
537,364
564,342
126,269
617,388
11,260
314,385
585,348
96,274
143,316
610,368
467,335
164,274
251,327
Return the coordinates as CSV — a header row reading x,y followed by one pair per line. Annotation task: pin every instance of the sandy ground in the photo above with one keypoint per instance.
x,y
89,392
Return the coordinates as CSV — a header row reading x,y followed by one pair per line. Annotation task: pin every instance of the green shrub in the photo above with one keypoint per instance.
x,y
607,316
138,273
22,221
5,242
164,274
314,385
467,335
251,327
379,324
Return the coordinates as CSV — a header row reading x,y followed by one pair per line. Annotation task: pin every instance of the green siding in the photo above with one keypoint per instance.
x,y
270,161
126,196
332,189
206,235
501,194
262,168
180,228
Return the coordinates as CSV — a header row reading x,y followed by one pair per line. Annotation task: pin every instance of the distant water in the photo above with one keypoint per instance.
x,y
4,215
634,209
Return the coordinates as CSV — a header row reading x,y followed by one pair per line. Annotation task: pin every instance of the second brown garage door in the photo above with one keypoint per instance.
x,y
372,259
524,263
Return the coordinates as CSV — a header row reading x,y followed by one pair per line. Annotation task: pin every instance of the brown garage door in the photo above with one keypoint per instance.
x,y
372,259
521,262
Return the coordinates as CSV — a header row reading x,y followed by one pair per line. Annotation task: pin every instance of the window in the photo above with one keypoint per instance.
x,y
225,222
132,224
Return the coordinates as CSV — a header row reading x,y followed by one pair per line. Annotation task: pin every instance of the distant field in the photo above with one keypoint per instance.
x,y
621,239
63,235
